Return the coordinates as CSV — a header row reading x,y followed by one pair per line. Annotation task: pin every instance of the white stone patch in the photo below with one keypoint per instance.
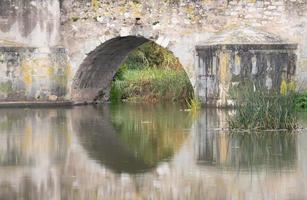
x,y
124,31
90,45
163,169
157,26
268,82
102,39
254,65
214,65
175,20
100,19
163,41
305,46
44,50
127,15
237,65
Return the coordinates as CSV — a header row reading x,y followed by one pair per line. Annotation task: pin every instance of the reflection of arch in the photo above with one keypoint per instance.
x,y
98,136
97,70
126,139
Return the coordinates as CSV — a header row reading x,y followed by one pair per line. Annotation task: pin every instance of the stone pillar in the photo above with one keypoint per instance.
x,y
224,77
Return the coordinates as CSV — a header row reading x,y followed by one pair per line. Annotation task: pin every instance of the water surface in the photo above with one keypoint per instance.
x,y
135,151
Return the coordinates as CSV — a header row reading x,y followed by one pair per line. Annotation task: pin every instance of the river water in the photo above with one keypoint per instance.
x,y
135,151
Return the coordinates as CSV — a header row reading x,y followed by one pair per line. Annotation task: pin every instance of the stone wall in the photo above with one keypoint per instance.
x,y
180,25
84,26
30,22
225,69
33,74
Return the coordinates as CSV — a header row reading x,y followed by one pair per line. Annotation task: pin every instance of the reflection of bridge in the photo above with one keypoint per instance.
x,y
61,168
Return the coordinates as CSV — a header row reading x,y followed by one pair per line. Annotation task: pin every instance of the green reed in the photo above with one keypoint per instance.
x,y
261,109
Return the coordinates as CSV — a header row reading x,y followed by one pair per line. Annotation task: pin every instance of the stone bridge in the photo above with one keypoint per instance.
x,y
71,49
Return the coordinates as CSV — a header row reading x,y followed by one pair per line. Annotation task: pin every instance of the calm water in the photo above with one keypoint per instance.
x,y
144,152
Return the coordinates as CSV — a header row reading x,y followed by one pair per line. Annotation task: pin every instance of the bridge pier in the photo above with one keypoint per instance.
x,y
31,74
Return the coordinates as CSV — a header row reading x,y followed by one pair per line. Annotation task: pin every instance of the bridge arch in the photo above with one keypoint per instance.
x,y
94,76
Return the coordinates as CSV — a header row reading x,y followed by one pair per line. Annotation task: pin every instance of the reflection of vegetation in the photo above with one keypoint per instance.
x,y
262,109
259,150
8,120
274,149
302,118
152,132
151,73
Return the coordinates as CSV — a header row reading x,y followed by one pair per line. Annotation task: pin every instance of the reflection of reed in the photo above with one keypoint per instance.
x,y
268,150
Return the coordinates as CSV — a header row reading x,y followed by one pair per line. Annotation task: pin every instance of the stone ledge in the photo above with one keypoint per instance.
x,y
35,104
248,46
4,48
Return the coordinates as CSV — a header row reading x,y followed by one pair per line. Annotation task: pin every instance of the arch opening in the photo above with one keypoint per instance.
x,y
94,77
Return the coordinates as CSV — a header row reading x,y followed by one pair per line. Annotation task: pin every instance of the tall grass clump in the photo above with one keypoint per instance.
x,y
151,85
261,109
194,105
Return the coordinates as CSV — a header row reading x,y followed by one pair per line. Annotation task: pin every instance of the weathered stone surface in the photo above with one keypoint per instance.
x,y
179,27
33,74
223,68
31,22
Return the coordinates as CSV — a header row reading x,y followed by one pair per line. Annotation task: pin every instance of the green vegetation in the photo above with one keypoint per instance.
x,y
260,109
6,87
301,101
151,74
194,105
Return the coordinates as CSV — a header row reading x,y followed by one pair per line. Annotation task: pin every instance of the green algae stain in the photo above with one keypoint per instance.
x,y
6,87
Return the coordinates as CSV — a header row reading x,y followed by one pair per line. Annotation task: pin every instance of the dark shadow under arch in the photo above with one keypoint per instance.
x,y
96,72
